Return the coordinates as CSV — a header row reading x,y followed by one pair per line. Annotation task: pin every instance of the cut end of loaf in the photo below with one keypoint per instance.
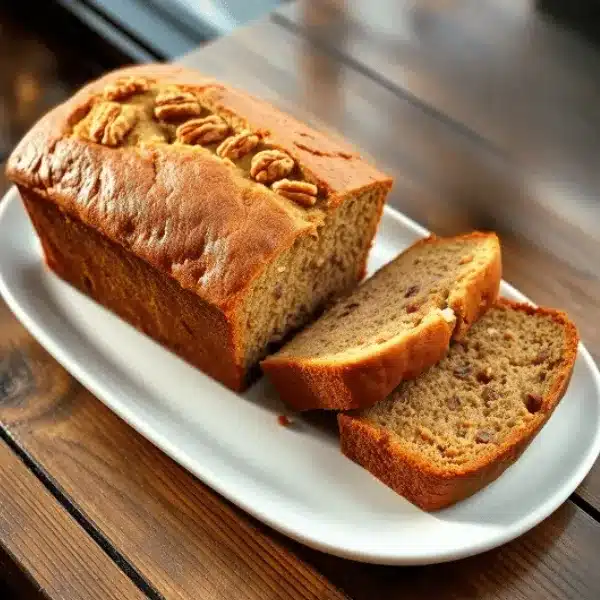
x,y
310,274
448,433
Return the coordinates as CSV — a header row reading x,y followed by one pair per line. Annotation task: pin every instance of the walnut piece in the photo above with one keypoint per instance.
x,y
236,146
202,131
485,375
301,192
124,87
541,357
109,123
412,290
284,420
176,105
271,165
534,403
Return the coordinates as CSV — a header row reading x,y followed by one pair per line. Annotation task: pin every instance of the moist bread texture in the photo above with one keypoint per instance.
x,y
444,436
392,327
205,217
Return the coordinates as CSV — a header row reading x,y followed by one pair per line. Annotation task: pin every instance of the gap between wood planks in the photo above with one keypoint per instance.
x,y
88,526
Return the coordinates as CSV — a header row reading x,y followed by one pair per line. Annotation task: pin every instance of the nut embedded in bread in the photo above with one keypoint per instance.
x,y
392,327
154,190
456,428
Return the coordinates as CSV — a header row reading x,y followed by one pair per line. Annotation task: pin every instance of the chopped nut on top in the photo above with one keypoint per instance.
x,y
175,105
110,122
238,145
270,165
125,87
301,192
201,131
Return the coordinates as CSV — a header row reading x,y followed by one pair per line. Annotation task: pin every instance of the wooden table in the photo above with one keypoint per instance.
x,y
488,116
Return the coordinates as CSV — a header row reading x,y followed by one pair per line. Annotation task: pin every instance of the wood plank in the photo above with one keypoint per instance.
x,y
444,180
190,543
4,183
542,564
55,553
40,73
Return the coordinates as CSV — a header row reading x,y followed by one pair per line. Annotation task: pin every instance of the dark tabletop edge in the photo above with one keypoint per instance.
x,y
87,525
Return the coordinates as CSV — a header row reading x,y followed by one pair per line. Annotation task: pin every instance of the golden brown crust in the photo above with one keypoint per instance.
x,y
306,384
430,487
136,291
479,292
186,211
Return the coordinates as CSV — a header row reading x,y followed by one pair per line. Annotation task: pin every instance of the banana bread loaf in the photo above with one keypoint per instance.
x,y
203,216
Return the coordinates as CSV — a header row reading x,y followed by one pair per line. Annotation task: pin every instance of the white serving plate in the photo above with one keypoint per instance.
x,y
293,478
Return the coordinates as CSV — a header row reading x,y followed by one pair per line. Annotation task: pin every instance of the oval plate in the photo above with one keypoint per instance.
x,y
293,478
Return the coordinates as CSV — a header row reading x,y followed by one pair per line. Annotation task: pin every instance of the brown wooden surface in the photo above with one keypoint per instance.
x,y
182,540
47,542
187,542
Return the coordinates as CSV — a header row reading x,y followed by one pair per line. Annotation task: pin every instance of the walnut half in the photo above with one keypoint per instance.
x,y
270,165
109,123
236,146
301,192
124,87
202,131
176,105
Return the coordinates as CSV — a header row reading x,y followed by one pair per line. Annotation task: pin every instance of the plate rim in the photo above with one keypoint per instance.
x,y
497,538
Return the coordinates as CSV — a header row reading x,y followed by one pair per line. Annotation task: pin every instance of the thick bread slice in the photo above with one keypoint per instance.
x,y
455,429
392,327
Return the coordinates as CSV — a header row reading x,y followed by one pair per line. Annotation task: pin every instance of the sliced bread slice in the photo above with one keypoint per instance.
x,y
442,437
392,327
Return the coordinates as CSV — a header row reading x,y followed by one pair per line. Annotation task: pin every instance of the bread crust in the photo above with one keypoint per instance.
x,y
432,488
308,384
223,227
135,291
181,209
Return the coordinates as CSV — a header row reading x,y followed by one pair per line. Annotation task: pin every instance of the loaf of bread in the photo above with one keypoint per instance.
x,y
203,216
392,327
440,438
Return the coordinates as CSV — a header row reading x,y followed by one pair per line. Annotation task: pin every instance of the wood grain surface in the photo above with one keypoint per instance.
x,y
187,542
48,544
184,541
34,75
